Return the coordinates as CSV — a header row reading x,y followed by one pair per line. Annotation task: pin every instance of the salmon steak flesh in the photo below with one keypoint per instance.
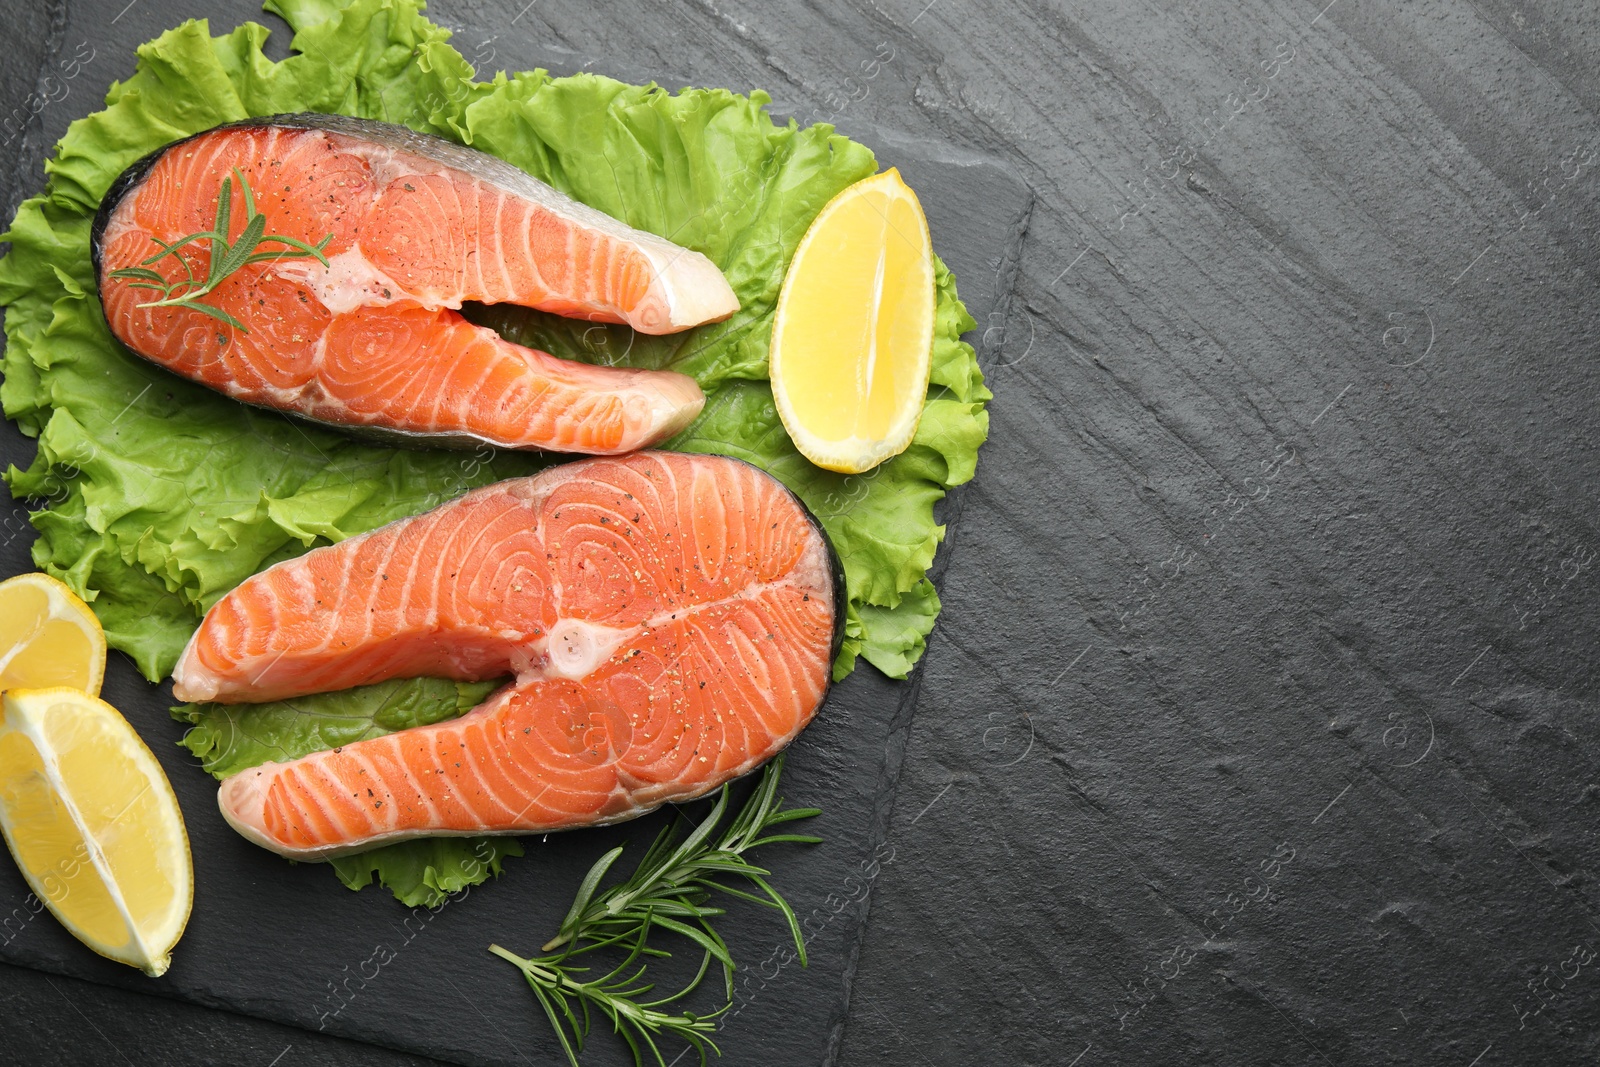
x,y
670,621
373,340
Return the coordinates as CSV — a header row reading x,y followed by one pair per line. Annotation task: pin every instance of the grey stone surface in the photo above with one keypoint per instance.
x,y
1260,725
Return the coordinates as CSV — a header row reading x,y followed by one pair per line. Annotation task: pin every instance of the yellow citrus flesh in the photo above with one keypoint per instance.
x,y
92,821
48,636
853,334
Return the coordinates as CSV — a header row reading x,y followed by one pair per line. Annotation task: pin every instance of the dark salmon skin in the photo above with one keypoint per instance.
x,y
417,226
670,620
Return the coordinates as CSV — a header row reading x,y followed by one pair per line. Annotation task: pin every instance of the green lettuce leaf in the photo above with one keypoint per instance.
x,y
423,873
160,495
229,738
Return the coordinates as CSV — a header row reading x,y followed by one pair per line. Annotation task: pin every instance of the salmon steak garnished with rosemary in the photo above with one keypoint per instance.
x,y
316,264
670,622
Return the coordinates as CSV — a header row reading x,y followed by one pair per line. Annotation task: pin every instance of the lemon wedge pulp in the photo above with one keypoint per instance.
x,y
853,335
94,825
48,637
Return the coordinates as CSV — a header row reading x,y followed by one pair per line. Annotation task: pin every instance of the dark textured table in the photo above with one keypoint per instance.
x,y
1259,726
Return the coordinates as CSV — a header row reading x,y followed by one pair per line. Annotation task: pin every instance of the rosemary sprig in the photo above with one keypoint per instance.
x,y
670,890
226,256
616,994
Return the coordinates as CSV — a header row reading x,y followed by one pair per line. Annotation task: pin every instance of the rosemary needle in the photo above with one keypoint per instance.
x,y
669,890
226,257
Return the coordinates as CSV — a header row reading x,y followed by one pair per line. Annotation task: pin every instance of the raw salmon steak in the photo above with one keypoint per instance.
x,y
416,225
670,620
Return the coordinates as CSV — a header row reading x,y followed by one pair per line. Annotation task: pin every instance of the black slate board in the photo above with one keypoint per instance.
x,y
288,943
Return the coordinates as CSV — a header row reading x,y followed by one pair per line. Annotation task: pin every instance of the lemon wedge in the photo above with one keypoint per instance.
x,y
94,825
853,334
48,636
